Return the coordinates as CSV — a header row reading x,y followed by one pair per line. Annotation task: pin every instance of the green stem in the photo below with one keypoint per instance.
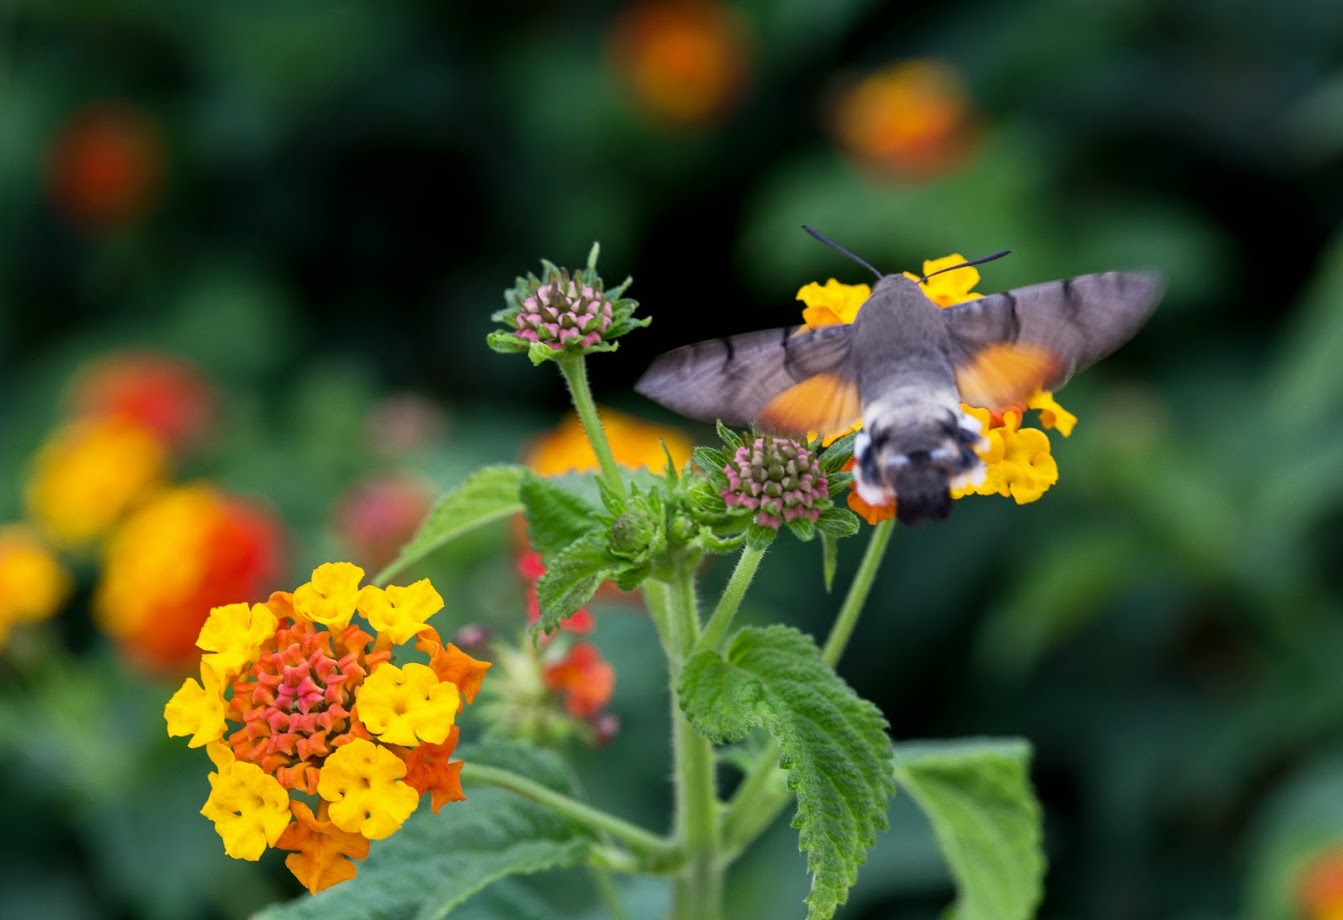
x,y
575,370
759,799
657,849
698,890
718,624
607,894
858,592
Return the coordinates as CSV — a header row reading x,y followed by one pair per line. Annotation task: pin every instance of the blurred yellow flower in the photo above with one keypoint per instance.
x,y
833,303
684,61
89,474
634,444
1319,885
182,553
910,119
33,583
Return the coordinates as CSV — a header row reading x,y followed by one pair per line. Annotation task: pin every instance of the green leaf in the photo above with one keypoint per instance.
x,y
436,862
483,497
977,796
572,576
838,522
729,437
829,558
834,745
833,458
556,517
760,537
709,459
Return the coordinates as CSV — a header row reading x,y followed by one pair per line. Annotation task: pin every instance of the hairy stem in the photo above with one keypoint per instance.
x,y
657,850
716,629
841,632
575,370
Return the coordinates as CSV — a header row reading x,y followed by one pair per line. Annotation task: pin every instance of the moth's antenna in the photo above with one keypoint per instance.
x,y
980,261
838,248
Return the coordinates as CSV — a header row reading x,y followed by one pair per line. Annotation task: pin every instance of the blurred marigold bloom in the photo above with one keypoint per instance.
x,y
105,165
89,474
1319,886
164,395
584,678
1017,460
379,514
684,61
298,700
634,444
910,119
187,550
33,583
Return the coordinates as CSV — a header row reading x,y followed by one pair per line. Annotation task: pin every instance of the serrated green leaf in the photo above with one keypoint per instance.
x,y
977,796
834,745
556,516
837,522
436,862
572,576
829,558
483,497
729,437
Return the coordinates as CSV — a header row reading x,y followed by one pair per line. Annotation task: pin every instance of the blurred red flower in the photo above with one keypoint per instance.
x,y
105,165
378,515
585,678
162,394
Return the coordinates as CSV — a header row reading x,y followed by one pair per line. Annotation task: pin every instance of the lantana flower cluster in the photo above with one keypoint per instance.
x,y
1018,462
778,478
321,740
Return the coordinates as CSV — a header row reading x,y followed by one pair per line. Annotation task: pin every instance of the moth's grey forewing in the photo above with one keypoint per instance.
x,y
1077,320
732,379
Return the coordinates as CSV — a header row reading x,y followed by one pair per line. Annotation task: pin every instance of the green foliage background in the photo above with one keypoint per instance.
x,y
349,187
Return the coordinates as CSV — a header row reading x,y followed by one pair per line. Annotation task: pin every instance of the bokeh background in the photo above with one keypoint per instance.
x,y
295,219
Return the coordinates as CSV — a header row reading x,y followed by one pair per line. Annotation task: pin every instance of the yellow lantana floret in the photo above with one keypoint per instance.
x,y
331,596
362,781
1052,415
948,288
1018,463
249,808
233,636
33,584
197,710
832,303
400,612
408,705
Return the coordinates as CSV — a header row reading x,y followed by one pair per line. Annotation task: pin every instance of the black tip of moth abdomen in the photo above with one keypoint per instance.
x,y
922,493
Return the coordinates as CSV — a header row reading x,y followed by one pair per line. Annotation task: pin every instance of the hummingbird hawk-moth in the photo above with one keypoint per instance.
x,y
904,367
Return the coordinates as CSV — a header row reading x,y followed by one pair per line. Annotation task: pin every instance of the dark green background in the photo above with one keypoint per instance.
x,y
349,187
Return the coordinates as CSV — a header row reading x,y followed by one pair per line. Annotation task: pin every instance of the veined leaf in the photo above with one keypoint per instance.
x,y
834,745
436,862
483,497
573,575
977,796
556,516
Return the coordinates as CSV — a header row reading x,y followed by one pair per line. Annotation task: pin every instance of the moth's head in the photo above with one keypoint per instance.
x,y
917,462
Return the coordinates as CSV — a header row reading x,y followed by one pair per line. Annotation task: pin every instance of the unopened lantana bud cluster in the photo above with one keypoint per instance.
x,y
563,313
777,477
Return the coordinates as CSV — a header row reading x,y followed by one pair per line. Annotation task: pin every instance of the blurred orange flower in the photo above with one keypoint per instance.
x,y
634,444
378,515
162,394
105,165
684,61
89,474
33,583
585,678
1319,887
188,550
911,119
